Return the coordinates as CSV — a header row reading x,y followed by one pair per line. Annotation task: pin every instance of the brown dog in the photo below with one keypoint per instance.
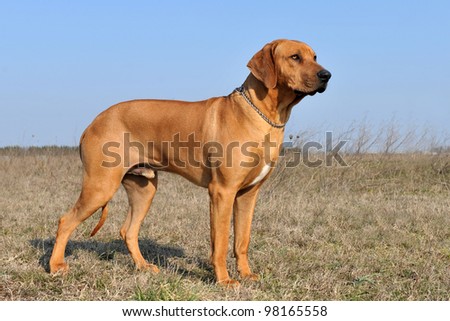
x,y
227,144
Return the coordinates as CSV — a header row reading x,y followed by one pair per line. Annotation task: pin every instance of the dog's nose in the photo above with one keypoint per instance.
x,y
324,75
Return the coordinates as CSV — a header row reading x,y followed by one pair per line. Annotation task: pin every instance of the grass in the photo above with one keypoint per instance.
x,y
375,230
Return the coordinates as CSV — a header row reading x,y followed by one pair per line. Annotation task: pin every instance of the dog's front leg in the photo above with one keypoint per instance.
x,y
221,208
244,206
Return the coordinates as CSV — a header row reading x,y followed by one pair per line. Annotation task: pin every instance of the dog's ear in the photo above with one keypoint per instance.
x,y
262,65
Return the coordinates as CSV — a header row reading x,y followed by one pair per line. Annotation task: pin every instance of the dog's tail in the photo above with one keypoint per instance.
x,y
102,219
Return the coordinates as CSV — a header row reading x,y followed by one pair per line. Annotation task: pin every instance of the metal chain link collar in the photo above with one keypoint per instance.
x,y
241,91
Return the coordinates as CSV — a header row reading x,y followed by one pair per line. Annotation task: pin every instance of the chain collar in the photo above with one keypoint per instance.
x,y
241,91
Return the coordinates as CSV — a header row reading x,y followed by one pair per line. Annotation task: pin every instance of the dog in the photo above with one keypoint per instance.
x,y
228,145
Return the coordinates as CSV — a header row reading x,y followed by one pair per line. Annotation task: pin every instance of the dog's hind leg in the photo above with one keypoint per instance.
x,y
141,191
96,192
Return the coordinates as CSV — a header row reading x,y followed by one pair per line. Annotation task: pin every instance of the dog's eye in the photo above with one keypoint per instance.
x,y
315,58
295,57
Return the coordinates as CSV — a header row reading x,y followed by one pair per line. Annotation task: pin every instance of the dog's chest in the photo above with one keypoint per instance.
x,y
264,171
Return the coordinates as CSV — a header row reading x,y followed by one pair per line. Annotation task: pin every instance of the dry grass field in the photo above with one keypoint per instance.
x,y
378,229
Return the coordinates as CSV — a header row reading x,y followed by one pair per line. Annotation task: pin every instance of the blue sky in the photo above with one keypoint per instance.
x,y
63,62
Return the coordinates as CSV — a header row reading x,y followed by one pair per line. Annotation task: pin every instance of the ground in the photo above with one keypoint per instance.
x,y
377,229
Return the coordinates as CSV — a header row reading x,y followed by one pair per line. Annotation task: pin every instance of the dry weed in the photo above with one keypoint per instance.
x,y
376,230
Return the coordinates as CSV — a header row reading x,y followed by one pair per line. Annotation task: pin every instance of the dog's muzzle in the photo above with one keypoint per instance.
x,y
323,75
322,88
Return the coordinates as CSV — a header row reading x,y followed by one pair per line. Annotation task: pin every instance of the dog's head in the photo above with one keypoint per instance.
x,y
289,64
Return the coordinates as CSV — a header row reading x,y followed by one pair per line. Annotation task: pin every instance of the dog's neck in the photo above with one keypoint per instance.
x,y
275,103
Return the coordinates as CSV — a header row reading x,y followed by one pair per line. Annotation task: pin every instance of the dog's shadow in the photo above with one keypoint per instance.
x,y
153,252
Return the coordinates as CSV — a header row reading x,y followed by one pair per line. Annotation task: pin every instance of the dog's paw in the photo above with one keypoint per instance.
x,y
229,283
250,277
148,267
59,268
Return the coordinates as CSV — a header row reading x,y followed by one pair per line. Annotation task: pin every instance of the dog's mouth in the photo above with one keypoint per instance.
x,y
319,90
